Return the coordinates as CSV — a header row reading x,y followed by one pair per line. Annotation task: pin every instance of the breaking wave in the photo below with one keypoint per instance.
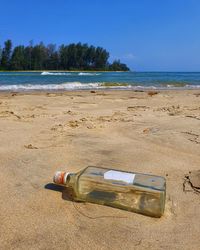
x,y
45,73
87,86
88,74
63,86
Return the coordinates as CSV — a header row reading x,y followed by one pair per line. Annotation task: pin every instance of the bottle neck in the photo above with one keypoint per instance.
x,y
65,178
69,179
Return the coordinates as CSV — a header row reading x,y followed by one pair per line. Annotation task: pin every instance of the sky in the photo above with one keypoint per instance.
x,y
147,35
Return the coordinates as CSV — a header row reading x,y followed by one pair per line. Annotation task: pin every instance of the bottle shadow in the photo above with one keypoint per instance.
x,y
67,193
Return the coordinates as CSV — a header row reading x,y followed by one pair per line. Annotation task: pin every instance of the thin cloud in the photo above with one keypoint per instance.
x,y
128,57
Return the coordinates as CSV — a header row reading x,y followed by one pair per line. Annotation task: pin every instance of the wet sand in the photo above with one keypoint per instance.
x,y
156,133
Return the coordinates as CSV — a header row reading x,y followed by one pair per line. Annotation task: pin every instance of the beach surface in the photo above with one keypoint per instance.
x,y
148,132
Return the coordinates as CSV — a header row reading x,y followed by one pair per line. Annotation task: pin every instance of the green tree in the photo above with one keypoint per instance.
x,y
67,57
85,60
39,57
101,58
90,57
63,55
72,56
28,56
6,55
18,58
52,57
118,66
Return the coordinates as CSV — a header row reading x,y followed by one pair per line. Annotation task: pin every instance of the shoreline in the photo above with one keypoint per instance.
x,y
145,90
109,88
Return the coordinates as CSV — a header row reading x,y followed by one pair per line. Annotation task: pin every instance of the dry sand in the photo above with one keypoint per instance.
x,y
44,132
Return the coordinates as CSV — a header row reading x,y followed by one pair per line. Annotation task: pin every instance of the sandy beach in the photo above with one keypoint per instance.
x,y
156,133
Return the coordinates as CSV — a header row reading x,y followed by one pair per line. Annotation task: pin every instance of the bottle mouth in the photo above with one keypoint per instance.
x,y
60,177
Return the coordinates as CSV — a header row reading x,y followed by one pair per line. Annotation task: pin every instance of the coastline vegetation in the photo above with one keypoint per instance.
x,y
66,57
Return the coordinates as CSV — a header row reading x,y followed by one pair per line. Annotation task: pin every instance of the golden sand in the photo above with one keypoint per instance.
x,y
156,133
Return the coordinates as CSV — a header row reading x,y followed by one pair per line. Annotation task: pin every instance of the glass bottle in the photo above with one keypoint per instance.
x,y
136,192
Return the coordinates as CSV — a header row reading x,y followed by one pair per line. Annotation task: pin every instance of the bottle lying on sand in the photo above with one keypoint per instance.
x,y
136,192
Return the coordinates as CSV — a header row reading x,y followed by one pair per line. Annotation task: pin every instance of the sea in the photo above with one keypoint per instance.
x,y
26,81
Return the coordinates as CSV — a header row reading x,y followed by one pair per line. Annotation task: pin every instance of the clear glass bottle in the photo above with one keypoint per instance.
x,y
141,193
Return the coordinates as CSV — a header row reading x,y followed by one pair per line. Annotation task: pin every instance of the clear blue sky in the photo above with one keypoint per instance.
x,y
148,35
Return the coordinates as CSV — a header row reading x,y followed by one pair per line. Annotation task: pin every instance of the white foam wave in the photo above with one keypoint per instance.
x,y
81,86
63,86
88,74
193,86
45,73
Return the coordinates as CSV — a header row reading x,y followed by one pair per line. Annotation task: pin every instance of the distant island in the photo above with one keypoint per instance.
x,y
74,56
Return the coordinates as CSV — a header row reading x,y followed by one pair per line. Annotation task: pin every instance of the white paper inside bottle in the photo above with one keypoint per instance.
x,y
119,176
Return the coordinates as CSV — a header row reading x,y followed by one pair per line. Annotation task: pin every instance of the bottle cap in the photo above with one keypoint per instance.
x,y
60,177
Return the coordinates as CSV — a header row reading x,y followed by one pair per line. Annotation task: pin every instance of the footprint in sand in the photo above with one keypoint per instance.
x,y
9,114
193,116
192,137
58,128
172,110
104,118
74,124
91,126
135,108
116,117
69,112
84,122
30,146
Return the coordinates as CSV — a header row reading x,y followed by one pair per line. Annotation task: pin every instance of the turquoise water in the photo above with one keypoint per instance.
x,y
98,80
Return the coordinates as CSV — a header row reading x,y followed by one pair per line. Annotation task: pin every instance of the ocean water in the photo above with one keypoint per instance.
x,y
23,81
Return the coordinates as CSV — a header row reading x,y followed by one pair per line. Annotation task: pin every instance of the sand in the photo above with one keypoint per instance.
x,y
41,132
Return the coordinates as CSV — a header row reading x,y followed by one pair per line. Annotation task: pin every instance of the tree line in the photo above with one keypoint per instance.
x,y
66,57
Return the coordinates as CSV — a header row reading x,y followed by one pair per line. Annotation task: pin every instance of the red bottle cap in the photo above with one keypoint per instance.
x,y
59,178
